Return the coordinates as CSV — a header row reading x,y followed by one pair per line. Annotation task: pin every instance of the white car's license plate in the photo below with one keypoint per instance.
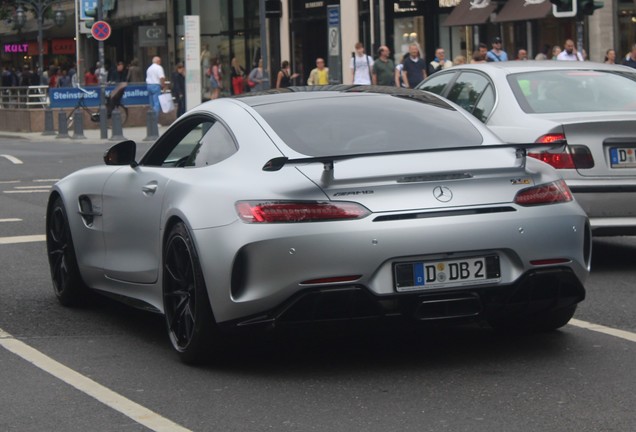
x,y
412,276
623,157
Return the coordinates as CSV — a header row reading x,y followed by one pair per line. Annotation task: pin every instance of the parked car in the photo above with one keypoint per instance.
x,y
337,203
590,105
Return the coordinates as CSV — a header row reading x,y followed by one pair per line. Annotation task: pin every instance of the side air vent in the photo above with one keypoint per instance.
x,y
445,213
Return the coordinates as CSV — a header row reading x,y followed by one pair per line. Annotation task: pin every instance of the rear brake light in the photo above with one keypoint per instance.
x,y
574,156
293,212
549,193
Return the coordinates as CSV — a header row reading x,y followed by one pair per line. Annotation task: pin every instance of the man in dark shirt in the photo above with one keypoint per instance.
x,y
383,68
630,60
178,88
414,67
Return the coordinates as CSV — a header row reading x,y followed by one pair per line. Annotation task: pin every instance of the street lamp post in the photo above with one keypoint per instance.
x,y
39,8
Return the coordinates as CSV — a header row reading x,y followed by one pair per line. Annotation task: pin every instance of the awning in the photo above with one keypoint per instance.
x,y
470,12
523,10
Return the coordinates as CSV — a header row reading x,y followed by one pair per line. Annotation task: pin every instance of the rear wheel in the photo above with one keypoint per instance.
x,y
187,309
543,322
67,282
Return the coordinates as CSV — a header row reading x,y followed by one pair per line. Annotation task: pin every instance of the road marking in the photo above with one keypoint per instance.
x,y
12,159
46,180
22,239
133,410
10,220
605,330
9,181
32,187
27,191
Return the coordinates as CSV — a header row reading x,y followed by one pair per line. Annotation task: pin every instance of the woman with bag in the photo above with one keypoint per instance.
x,y
216,79
257,77
238,77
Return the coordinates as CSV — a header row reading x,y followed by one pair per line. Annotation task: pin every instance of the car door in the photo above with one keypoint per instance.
x,y
133,201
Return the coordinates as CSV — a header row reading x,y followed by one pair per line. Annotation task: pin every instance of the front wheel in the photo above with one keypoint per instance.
x,y
187,309
67,281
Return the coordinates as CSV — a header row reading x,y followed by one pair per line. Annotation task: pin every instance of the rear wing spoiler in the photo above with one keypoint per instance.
x,y
522,150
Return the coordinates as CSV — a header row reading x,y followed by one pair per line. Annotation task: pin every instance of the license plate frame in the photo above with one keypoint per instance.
x,y
451,272
622,157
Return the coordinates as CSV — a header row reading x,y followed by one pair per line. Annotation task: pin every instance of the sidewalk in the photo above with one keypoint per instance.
x,y
137,134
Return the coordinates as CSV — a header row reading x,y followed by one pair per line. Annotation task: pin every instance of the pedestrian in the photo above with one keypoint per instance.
x,y
28,78
135,74
320,74
569,52
216,78
399,78
285,77
414,67
522,54
556,50
257,78
361,65
121,74
89,77
630,60
483,50
101,73
53,76
478,57
496,54
63,80
155,82
383,68
237,74
459,60
439,62
178,89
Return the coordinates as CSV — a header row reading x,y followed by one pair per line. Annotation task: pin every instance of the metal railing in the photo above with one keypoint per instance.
x,y
24,97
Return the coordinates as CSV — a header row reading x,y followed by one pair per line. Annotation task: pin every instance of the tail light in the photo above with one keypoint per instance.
x,y
293,212
574,156
549,193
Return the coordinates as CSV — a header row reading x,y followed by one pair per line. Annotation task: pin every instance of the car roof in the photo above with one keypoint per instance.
x,y
513,66
290,94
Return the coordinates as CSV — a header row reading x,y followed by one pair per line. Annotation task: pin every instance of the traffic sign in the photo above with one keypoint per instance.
x,y
100,30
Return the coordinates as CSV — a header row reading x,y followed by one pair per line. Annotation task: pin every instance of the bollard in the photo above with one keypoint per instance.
x,y
78,125
48,122
62,126
151,126
118,133
103,122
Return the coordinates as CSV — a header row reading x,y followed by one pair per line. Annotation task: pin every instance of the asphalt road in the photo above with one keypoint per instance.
x,y
461,379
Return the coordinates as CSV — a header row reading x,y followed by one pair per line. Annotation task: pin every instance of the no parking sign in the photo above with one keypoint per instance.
x,y
100,30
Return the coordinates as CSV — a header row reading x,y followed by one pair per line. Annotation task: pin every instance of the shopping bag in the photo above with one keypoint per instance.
x,y
165,100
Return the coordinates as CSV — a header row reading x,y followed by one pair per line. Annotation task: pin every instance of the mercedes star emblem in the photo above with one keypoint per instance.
x,y
442,194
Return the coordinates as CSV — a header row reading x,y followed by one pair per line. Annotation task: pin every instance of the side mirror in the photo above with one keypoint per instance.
x,y
121,154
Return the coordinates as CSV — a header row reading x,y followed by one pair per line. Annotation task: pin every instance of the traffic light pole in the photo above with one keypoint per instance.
x,y
580,20
103,121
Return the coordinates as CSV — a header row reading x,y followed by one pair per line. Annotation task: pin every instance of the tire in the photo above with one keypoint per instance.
x,y
189,319
69,288
544,322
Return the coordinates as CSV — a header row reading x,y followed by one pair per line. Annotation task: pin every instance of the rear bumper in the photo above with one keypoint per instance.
x,y
536,292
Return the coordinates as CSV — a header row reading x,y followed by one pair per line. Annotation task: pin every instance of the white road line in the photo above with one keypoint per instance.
x,y
45,180
32,187
133,410
26,191
22,239
605,330
12,159
10,220
9,181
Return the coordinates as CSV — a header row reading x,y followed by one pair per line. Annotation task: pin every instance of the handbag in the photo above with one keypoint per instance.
x,y
251,83
166,102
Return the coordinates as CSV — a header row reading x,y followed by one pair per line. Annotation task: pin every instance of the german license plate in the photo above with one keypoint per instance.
x,y
413,276
623,157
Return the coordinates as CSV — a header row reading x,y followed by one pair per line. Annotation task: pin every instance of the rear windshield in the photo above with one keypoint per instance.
x,y
574,91
355,124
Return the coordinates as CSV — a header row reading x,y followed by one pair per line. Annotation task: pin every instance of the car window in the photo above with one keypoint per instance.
x,y
195,142
437,83
485,105
468,89
574,91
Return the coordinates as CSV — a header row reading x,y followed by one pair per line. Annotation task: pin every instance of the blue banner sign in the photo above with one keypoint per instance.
x,y
67,97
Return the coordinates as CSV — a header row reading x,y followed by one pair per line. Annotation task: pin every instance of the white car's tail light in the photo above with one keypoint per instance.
x,y
293,212
574,156
549,193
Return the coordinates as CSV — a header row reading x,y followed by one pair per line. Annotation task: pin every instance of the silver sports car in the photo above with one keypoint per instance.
x,y
592,106
319,204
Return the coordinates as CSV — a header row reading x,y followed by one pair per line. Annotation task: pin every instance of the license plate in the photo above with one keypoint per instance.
x,y
623,157
412,276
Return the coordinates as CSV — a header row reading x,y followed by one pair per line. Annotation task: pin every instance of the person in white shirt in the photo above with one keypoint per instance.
x,y
569,52
155,82
361,65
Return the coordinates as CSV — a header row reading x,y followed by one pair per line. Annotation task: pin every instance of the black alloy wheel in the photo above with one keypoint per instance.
x,y
188,313
67,282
